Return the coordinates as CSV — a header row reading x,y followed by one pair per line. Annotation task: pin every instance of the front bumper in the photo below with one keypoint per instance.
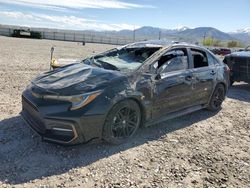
x,y
55,123
53,130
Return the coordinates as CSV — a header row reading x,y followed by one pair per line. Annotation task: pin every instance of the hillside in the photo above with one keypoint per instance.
x,y
200,32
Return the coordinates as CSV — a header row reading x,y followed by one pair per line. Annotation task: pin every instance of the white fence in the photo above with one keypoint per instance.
x,y
77,36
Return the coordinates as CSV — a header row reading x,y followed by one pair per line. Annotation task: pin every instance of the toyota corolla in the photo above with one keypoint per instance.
x,y
109,95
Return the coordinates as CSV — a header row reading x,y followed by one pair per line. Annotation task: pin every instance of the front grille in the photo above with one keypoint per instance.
x,y
32,116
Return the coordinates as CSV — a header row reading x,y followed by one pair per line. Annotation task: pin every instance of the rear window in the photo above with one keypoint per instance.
x,y
199,58
212,60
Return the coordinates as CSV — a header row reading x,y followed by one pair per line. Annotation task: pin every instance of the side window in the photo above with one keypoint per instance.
x,y
173,60
199,58
211,60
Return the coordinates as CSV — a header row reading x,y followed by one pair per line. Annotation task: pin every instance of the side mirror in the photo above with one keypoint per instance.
x,y
158,77
152,69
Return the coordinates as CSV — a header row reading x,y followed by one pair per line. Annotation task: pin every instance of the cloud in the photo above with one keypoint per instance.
x,y
65,22
16,15
78,4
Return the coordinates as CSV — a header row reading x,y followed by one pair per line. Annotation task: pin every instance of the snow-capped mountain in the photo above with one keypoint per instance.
x,y
242,35
180,28
153,31
246,30
181,33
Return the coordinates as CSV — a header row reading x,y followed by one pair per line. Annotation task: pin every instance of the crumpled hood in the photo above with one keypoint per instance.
x,y
74,79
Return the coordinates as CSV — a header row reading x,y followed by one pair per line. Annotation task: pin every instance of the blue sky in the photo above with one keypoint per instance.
x,y
226,15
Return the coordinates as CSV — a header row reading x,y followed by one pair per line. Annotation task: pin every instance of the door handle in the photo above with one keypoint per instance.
x,y
212,72
189,78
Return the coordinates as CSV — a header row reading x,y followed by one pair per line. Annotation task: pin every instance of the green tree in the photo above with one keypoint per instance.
x,y
208,41
232,44
217,43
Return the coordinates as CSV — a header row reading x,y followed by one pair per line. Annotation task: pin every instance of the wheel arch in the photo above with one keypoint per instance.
x,y
132,99
142,108
138,102
211,95
222,83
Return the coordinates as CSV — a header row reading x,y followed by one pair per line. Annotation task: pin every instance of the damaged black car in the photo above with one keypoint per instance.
x,y
110,95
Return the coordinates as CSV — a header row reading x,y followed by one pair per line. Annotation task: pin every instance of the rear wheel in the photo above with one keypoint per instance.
x,y
122,122
231,81
217,98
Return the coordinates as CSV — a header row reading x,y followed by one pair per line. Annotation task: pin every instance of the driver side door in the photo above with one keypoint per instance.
x,y
173,85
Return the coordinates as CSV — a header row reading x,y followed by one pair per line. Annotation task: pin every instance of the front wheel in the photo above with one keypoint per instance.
x,y
122,122
217,98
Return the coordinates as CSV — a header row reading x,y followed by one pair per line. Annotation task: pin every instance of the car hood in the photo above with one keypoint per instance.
x,y
241,54
74,79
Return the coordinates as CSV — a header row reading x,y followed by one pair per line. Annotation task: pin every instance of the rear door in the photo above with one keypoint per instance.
x,y
204,74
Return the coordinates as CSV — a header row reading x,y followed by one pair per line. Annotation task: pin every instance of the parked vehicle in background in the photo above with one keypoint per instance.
x,y
221,51
239,64
22,33
214,50
109,95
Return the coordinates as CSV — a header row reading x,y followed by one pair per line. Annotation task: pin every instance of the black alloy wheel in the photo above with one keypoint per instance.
x,y
217,98
122,122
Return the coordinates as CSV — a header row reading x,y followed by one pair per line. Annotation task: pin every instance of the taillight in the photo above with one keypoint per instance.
x,y
226,68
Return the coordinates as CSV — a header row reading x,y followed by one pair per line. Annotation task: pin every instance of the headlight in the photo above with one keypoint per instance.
x,y
77,101
83,100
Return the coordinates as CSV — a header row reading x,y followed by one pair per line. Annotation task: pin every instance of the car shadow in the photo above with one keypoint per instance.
x,y
240,91
24,157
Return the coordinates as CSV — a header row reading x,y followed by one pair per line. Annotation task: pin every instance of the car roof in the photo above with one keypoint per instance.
x,y
161,44
150,43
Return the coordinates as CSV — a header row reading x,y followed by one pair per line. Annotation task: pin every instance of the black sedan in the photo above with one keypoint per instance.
x,y
109,95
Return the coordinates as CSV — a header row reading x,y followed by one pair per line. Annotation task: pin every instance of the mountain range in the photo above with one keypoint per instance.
x,y
186,34
242,35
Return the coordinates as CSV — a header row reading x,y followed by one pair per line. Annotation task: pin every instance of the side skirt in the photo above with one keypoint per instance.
x,y
175,114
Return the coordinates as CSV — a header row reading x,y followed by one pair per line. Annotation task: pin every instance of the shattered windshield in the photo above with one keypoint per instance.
x,y
124,59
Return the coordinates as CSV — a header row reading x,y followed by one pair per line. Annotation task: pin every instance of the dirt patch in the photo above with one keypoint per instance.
x,y
203,149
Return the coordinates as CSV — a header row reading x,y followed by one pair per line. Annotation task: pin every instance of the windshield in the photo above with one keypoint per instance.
x,y
124,59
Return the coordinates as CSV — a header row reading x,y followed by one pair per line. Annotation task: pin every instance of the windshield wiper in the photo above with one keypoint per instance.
x,y
107,65
97,64
92,61
101,64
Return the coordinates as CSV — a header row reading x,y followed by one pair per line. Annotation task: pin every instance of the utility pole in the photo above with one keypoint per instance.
x,y
204,38
159,34
134,34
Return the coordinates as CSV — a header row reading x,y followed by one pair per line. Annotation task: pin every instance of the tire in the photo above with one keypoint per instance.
x,y
231,81
217,98
122,122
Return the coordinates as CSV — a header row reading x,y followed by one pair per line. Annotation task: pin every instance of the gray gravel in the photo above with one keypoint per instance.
x,y
203,149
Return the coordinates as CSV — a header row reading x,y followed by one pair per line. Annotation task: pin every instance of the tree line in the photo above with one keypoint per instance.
x,y
209,41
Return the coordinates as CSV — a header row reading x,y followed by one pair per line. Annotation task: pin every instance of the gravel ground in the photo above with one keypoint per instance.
x,y
202,149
